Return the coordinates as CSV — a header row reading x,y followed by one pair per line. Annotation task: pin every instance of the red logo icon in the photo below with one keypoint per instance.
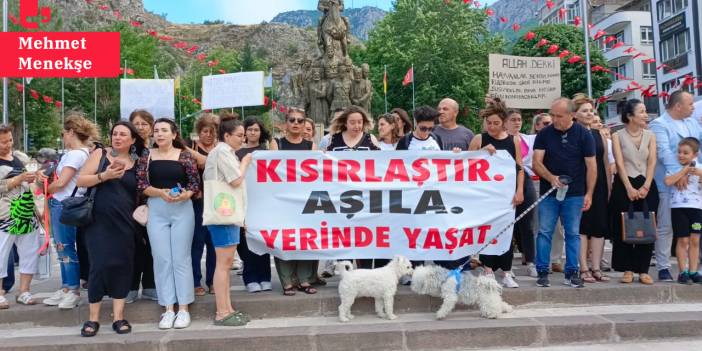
x,y
30,8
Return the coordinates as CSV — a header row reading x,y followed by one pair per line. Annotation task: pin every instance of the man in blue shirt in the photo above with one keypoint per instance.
x,y
563,148
669,129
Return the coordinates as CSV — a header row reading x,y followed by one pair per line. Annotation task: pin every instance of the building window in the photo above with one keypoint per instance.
x,y
668,8
651,104
676,45
646,35
573,11
649,70
676,84
621,70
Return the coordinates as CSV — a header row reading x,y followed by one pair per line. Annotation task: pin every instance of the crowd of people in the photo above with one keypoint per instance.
x,y
147,236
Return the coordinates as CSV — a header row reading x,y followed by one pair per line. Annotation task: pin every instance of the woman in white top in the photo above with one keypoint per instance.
x,y
78,134
223,165
388,131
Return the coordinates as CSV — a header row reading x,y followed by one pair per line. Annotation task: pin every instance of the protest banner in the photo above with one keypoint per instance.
x,y
232,90
153,95
525,82
428,205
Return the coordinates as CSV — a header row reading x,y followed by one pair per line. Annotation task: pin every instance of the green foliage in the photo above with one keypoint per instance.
x,y
573,76
448,45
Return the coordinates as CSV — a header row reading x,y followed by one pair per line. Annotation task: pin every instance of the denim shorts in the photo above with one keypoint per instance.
x,y
224,235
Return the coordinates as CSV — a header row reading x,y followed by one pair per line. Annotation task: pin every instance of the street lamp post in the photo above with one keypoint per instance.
x,y
583,9
5,111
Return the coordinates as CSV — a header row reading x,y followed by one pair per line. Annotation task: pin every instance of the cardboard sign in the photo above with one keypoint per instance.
x,y
232,90
154,95
525,82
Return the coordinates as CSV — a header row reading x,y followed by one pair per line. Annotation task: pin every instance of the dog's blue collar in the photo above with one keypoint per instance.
x,y
456,273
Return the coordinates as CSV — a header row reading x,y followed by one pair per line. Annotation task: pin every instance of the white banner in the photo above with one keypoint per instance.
x,y
154,95
232,90
427,205
525,82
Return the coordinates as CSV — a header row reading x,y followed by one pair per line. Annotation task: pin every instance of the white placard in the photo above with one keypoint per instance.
x,y
525,82
425,205
232,90
154,95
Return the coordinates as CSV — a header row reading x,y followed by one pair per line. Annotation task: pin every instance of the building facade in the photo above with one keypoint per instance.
x,y
630,23
676,37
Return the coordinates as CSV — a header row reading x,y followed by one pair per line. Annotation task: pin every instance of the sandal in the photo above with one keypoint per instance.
x,y
3,303
587,277
234,319
119,327
309,290
95,326
26,298
289,291
599,276
200,291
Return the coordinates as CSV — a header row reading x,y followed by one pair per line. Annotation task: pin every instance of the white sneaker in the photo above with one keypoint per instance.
x,y
55,299
531,268
182,320
70,300
237,264
266,286
508,281
167,320
253,287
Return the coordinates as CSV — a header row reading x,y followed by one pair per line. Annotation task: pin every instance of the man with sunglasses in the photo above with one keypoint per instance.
x,y
423,137
564,148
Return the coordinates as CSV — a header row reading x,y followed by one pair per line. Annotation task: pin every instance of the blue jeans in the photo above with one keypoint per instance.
x,y
66,247
569,211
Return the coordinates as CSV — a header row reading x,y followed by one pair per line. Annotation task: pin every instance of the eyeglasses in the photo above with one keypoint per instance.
x,y
564,139
425,129
296,120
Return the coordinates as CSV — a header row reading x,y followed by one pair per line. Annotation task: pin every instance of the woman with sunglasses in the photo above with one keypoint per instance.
x,y
295,274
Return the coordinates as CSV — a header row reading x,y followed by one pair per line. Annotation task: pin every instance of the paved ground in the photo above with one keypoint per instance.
x,y
666,345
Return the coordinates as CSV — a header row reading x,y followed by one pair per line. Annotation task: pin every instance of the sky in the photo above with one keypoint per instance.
x,y
241,11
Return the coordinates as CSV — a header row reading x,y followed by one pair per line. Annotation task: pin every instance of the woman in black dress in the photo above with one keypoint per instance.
x,y
110,237
496,138
593,225
257,268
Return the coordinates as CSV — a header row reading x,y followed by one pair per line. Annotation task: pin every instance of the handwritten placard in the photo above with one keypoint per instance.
x,y
232,90
153,95
525,82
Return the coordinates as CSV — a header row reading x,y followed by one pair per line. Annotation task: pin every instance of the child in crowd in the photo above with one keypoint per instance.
x,y
686,210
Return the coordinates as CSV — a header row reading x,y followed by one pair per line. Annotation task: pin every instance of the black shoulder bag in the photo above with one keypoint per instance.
x,y
78,211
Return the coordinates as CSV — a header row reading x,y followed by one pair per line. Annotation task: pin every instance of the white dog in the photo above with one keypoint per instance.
x,y
380,283
474,290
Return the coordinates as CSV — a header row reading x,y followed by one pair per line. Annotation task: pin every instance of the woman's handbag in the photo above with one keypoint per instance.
x,y
141,213
223,204
78,211
639,227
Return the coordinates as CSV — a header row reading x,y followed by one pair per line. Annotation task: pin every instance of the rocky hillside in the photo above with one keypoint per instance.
x,y
517,11
362,19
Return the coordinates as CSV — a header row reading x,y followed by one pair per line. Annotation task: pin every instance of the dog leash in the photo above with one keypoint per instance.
x,y
565,180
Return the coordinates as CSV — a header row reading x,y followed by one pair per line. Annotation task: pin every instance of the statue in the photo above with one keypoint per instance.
x,y
318,107
298,84
340,91
367,88
332,27
360,92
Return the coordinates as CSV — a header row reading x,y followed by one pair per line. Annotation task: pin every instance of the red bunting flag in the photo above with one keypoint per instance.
x,y
58,104
409,77
117,14
529,36
610,39
265,100
629,50
552,49
48,99
574,59
13,19
600,33
201,56
489,12
563,54
34,94
222,71
153,33
274,104
617,45
648,92
649,61
663,94
19,87
577,21
562,12
638,55
542,42
213,63
165,38
550,4
467,2
104,7
602,99
135,24
516,27
689,80
504,19
663,65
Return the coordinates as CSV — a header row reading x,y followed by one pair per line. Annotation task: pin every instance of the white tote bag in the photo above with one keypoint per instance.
x,y
224,204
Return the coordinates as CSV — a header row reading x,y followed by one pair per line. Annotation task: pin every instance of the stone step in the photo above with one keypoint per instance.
x,y
274,305
463,330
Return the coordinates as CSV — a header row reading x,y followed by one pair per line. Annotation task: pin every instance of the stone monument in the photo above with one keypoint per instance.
x,y
329,80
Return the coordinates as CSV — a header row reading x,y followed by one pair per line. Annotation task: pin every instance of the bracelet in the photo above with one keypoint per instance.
x,y
644,187
99,175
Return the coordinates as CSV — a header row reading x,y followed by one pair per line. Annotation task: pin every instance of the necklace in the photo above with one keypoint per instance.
x,y
634,135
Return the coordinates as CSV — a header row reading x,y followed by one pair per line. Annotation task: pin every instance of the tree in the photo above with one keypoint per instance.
x,y
448,43
570,38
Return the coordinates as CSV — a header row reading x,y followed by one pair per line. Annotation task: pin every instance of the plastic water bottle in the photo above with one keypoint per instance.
x,y
175,191
561,192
